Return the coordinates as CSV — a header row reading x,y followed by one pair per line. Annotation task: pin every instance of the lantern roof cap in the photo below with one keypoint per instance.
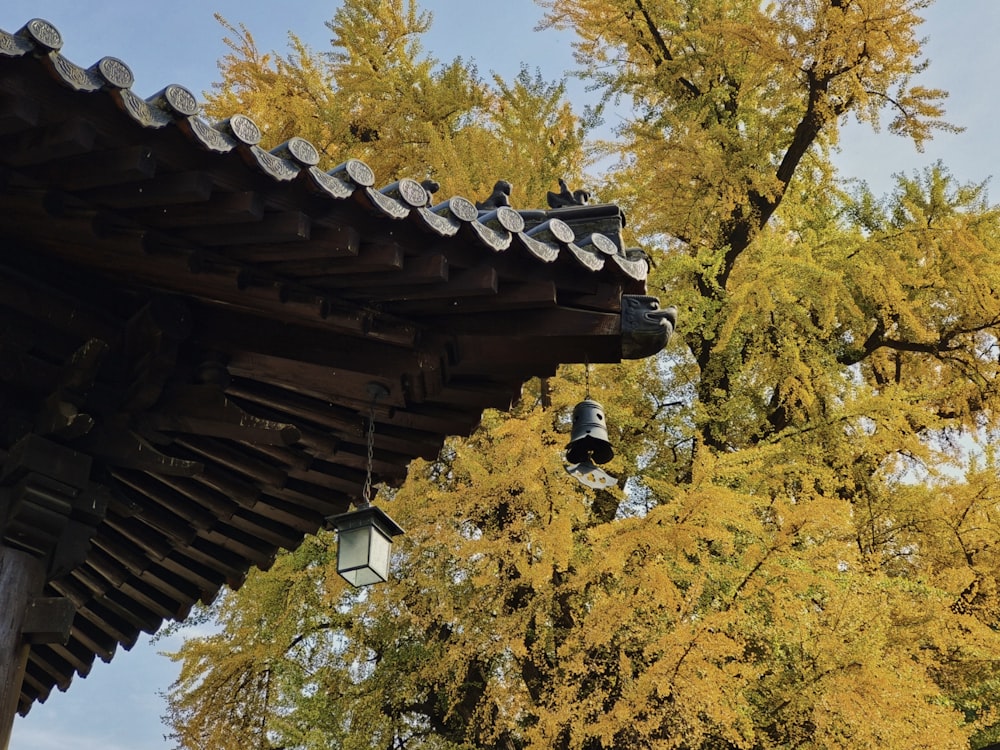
x,y
365,516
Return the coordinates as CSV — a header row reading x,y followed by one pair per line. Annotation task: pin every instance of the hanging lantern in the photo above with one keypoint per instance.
x,y
364,536
589,438
364,545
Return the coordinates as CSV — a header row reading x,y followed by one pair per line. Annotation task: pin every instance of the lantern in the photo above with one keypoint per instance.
x,y
364,545
364,536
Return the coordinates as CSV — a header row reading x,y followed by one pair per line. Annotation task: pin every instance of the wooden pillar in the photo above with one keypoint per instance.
x,y
22,576
48,514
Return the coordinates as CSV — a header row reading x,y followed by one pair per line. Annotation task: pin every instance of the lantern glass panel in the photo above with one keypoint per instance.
x,y
354,556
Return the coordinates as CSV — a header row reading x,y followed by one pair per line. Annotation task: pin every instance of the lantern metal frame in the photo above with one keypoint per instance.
x,y
364,545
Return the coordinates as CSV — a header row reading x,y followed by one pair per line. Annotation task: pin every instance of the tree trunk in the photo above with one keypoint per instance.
x,y
22,577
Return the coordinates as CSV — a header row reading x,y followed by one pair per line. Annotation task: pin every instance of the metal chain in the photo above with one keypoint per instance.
x,y
367,492
587,377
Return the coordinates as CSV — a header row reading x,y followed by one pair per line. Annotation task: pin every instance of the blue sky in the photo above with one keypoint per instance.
x,y
118,707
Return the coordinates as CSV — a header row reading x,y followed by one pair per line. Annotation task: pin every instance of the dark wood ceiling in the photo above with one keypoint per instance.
x,y
196,322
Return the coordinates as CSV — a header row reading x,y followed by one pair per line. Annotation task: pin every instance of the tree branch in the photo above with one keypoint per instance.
x,y
661,47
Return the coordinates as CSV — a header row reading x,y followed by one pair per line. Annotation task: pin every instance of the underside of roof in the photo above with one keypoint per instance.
x,y
189,327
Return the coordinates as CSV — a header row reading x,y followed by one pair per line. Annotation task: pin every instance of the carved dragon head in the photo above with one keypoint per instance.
x,y
646,328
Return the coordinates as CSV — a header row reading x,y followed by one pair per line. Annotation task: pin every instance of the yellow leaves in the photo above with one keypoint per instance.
x,y
377,97
681,641
853,676
894,707
784,564
925,287
721,614
726,91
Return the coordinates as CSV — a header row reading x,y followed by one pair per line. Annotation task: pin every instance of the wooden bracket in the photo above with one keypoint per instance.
x,y
118,445
48,506
60,413
205,410
48,620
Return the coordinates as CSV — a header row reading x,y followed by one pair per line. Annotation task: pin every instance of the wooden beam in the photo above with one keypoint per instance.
x,y
153,544
98,168
166,190
204,410
287,513
475,291
214,278
154,494
480,393
290,226
371,258
558,322
227,484
340,385
39,145
216,558
346,423
243,545
17,114
230,332
118,446
100,617
61,312
96,640
606,298
481,282
416,271
52,666
266,529
339,242
223,453
207,580
218,506
527,356
239,207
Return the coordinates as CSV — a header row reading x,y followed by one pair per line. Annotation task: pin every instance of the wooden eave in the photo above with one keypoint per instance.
x,y
202,318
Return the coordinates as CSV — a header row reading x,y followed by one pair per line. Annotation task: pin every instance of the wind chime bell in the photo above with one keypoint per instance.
x,y
589,438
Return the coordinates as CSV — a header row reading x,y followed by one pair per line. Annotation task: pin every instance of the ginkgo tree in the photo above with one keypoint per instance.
x,y
376,97
803,550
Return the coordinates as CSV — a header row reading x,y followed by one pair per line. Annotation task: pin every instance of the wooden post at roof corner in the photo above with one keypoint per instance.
x,y
49,511
22,576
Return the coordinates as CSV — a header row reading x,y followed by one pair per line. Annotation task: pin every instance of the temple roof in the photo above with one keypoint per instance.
x,y
190,326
